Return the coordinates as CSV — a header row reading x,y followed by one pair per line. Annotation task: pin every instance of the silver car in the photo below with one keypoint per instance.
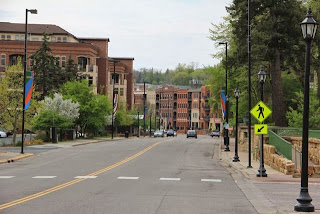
x,y
158,133
3,134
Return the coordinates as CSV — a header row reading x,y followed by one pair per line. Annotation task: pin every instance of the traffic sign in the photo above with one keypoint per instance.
x,y
261,111
260,128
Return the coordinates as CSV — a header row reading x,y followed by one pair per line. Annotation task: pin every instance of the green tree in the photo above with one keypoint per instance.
x,y
11,100
48,74
94,108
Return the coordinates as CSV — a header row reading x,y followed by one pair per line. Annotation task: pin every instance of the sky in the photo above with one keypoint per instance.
x,y
156,33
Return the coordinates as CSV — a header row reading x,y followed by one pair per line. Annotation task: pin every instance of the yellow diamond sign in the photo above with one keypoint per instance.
x,y
260,128
261,111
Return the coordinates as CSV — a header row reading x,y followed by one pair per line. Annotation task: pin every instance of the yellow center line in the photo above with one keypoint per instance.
x,y
64,185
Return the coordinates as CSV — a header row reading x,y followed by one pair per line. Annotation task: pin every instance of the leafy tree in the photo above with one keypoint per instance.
x,y
11,100
295,116
94,108
64,107
48,74
47,119
123,117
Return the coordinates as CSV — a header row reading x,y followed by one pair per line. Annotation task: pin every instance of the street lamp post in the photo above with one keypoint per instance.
x,y
144,108
138,124
309,29
249,85
150,125
262,171
236,156
226,134
33,11
114,82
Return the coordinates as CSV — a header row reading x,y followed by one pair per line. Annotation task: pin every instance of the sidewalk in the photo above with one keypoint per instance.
x,y
275,193
8,157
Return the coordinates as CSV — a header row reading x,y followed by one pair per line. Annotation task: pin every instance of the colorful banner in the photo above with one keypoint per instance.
x,y
145,114
115,106
223,103
28,89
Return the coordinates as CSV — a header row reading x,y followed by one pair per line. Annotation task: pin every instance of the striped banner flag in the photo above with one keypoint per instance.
x,y
115,106
223,103
28,89
145,114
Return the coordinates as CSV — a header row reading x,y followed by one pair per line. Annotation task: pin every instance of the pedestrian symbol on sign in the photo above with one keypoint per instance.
x,y
260,109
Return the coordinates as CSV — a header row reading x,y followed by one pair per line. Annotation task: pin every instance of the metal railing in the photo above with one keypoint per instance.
x,y
294,132
282,146
285,148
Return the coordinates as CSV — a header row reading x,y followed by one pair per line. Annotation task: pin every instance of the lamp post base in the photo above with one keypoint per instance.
x,y
262,172
304,201
248,167
236,158
226,143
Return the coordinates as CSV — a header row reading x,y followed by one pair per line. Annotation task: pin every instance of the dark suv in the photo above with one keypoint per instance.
x,y
170,133
192,133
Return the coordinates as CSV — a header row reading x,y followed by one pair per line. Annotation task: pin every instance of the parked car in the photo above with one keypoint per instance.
x,y
3,134
175,133
158,133
8,132
215,133
192,133
170,133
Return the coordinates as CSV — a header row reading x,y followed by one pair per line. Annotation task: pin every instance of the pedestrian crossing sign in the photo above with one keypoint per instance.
x,y
261,111
260,128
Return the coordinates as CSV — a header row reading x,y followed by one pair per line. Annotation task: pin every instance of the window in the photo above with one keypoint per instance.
x,y
3,60
21,37
64,39
28,38
3,37
17,37
58,61
90,80
59,39
82,62
35,39
115,78
8,37
121,91
63,61
53,38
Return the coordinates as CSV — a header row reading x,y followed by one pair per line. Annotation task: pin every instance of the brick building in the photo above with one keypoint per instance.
x,y
91,55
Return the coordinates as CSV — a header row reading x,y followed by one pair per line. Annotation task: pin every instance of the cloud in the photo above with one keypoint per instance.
x,y
156,33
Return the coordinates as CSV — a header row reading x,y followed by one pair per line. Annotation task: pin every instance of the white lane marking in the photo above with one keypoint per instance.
x,y
128,178
44,176
170,179
211,180
86,177
5,177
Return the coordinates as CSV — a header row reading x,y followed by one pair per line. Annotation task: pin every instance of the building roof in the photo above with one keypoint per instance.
x,y
122,58
32,28
94,38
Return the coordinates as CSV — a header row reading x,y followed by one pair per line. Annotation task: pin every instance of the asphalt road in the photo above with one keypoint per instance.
x,y
138,176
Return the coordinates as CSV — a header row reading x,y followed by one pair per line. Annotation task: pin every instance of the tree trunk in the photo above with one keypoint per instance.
x,y
278,109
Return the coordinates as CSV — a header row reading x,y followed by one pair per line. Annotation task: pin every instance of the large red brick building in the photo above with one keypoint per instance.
x,y
91,55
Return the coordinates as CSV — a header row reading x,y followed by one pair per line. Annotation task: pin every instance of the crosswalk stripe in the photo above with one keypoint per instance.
x,y
170,179
86,177
5,177
128,178
211,180
44,176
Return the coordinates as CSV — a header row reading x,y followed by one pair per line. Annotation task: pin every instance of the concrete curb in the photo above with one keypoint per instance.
x,y
19,157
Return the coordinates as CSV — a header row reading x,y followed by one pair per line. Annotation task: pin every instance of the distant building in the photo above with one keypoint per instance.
x,y
91,55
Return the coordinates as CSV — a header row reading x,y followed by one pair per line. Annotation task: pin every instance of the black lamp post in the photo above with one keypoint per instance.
x,y
138,124
236,156
33,11
226,134
262,171
114,82
309,29
144,108
150,125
